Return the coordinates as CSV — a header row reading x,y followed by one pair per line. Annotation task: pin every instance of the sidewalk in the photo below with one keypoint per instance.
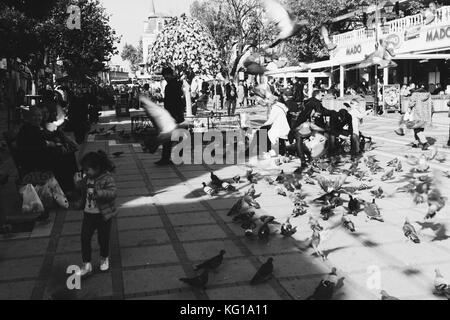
x,y
166,225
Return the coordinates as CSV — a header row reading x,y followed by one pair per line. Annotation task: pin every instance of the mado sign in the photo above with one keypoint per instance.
x,y
354,50
438,34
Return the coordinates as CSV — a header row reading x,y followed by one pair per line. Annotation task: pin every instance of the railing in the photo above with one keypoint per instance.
x,y
442,15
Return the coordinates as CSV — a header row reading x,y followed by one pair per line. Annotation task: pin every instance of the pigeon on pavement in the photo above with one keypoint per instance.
x,y
263,273
212,263
198,281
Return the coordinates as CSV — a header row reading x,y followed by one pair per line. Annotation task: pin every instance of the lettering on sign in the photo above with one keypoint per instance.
x,y
354,50
438,34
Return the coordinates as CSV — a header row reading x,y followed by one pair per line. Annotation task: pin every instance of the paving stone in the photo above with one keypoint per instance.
x,y
153,279
73,243
136,201
143,238
129,177
144,256
127,192
199,251
183,295
20,268
71,228
23,248
144,210
131,184
190,218
139,223
17,290
186,233
260,292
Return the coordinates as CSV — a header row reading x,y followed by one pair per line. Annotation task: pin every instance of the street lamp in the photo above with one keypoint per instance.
x,y
389,7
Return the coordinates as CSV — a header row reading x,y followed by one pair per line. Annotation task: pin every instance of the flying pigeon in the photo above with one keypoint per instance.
x,y
198,281
325,289
284,21
354,206
326,38
263,273
373,212
410,232
326,211
253,67
435,203
212,263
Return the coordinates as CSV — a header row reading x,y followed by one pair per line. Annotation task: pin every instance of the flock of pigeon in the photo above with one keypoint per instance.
x,y
421,183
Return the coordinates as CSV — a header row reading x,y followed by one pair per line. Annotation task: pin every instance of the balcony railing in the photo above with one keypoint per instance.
x,y
442,15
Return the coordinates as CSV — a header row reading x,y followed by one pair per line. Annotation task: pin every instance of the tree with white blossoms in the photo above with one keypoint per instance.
x,y
187,46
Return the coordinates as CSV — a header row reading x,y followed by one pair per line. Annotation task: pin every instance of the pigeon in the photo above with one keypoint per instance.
x,y
378,194
251,177
348,223
441,285
380,57
212,263
325,289
244,216
287,26
280,178
263,273
298,211
281,192
198,281
208,190
393,162
264,232
215,181
354,206
315,243
228,187
117,154
286,228
249,224
386,296
327,211
314,224
237,179
373,212
296,183
268,219
435,203
289,187
252,66
388,175
410,232
269,180
308,180
251,191
399,167
326,38
251,202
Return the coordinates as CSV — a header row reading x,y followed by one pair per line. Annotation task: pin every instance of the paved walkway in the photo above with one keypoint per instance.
x,y
166,225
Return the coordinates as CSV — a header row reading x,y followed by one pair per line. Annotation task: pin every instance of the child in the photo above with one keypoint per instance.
x,y
99,192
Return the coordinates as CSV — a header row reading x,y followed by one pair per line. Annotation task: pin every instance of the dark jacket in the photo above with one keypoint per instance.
x,y
105,189
230,87
217,89
298,95
32,150
173,100
310,105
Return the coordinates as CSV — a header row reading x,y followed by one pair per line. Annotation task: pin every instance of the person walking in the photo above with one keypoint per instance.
x,y
174,104
217,93
240,94
231,96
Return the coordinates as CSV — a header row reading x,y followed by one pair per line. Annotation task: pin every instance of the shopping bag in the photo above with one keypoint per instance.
x,y
57,193
31,201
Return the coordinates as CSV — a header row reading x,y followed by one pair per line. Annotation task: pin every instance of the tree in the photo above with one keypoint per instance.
x,y
236,26
133,55
85,51
187,45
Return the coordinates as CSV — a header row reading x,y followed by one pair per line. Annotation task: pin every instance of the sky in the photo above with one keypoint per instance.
x,y
128,16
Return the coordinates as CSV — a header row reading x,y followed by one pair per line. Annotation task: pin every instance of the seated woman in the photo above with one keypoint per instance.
x,y
43,150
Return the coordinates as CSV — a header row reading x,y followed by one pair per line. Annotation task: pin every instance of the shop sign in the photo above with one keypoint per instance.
x,y
412,33
438,34
356,49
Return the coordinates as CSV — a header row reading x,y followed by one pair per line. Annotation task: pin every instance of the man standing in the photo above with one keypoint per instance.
x,y
174,103
231,95
298,95
217,95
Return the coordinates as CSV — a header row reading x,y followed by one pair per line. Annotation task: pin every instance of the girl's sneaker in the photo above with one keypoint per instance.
x,y
85,270
104,264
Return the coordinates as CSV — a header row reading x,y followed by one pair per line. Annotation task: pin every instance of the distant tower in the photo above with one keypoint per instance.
x,y
153,25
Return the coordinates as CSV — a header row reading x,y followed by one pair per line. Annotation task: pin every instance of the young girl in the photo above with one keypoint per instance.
x,y
98,191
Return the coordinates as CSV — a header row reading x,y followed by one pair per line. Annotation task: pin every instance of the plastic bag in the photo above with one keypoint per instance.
x,y
52,195
31,201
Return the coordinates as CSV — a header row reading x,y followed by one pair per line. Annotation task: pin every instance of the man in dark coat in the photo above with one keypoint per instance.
x,y
174,103
298,95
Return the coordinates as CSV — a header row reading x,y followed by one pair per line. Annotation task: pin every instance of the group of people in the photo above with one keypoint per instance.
x,y
302,121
